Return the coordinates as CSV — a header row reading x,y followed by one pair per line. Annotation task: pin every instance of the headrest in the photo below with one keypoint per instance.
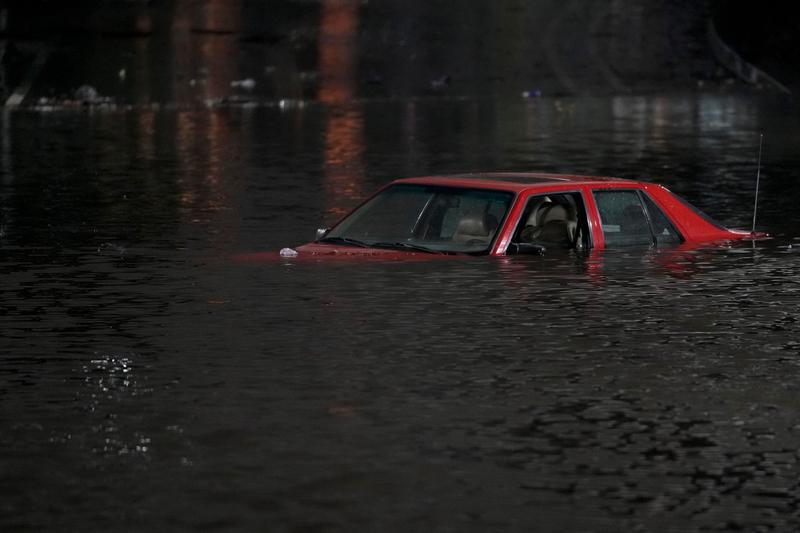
x,y
534,218
554,212
555,232
477,224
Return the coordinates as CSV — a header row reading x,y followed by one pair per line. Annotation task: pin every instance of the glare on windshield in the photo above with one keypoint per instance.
x,y
440,218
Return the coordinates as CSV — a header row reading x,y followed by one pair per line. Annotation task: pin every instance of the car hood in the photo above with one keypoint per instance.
x,y
316,252
339,250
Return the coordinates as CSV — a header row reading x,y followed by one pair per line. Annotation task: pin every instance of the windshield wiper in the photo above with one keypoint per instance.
x,y
407,246
396,245
344,240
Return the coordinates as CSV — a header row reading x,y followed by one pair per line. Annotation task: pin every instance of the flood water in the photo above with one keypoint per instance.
x,y
151,381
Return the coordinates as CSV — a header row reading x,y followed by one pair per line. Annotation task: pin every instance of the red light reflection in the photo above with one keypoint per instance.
x,y
344,131
337,50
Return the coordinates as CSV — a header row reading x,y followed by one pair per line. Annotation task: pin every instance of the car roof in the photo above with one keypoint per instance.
x,y
511,181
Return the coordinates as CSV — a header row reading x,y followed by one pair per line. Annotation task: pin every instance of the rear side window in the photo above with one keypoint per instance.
x,y
630,217
663,230
622,218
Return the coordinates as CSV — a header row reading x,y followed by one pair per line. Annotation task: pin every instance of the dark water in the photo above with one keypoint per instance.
x,y
148,381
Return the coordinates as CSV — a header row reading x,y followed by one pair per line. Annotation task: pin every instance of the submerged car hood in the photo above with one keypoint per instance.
x,y
315,251
325,249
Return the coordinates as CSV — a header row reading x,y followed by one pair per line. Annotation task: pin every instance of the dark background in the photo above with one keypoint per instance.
x,y
188,52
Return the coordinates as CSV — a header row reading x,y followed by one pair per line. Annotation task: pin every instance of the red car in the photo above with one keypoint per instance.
x,y
516,213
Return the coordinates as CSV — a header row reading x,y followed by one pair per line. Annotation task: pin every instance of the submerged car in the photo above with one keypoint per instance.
x,y
516,213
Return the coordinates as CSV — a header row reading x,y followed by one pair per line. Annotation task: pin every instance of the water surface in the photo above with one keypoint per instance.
x,y
147,380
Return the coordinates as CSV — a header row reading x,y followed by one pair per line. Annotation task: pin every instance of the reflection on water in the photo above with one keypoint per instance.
x,y
205,181
344,144
338,30
149,381
344,172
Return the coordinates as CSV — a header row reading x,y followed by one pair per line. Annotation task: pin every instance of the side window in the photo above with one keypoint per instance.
x,y
623,218
663,230
552,221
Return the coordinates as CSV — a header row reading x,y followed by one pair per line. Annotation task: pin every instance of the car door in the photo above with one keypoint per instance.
x,y
551,221
629,217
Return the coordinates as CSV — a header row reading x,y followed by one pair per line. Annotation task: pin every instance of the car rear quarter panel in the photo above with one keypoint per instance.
x,y
692,227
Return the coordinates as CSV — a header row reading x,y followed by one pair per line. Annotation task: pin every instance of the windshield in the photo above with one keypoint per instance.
x,y
427,218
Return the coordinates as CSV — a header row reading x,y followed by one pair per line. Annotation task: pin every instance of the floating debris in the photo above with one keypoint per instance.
x,y
86,94
440,83
110,248
247,84
308,75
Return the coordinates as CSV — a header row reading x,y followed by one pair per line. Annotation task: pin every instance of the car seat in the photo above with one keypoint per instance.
x,y
551,223
475,227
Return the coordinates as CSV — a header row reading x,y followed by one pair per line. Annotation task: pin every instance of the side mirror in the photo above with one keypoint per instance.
x,y
321,232
526,248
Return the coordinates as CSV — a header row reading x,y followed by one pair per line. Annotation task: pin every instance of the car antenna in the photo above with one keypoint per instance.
x,y
758,178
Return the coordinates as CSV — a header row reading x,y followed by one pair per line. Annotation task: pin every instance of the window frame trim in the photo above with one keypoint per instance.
x,y
641,195
586,216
